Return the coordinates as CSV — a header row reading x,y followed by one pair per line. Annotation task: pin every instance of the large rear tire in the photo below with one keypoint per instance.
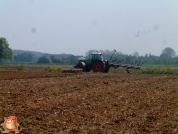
x,y
98,66
106,70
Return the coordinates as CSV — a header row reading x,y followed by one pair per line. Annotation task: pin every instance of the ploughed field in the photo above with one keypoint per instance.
x,y
90,103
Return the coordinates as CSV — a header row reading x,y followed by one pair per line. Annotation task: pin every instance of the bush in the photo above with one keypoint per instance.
x,y
158,70
21,68
52,68
43,60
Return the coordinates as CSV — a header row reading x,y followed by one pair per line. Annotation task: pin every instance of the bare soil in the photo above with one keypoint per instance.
x,y
90,103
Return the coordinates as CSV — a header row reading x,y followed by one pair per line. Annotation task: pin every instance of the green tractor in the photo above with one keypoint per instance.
x,y
97,63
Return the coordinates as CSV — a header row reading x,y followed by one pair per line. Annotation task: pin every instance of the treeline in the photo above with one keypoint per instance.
x,y
29,57
70,60
168,55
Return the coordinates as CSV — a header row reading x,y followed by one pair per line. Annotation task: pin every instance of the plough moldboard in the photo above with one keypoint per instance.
x,y
126,65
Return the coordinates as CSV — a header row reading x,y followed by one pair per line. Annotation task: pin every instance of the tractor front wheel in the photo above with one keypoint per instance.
x,y
80,65
98,66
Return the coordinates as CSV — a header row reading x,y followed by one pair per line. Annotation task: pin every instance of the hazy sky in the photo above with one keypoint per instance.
x,y
76,26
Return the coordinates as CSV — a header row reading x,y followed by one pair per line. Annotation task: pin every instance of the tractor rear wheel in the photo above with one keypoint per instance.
x,y
98,66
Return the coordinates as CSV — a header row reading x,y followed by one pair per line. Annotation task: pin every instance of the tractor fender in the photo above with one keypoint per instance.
x,y
80,65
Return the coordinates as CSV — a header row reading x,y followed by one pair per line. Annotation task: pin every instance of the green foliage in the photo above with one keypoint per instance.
x,y
72,59
24,57
5,51
21,68
168,52
25,121
52,68
55,91
55,60
43,60
151,69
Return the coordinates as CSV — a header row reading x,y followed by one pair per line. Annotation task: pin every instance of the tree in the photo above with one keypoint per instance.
x,y
90,51
168,52
24,57
44,60
5,51
136,54
72,59
55,60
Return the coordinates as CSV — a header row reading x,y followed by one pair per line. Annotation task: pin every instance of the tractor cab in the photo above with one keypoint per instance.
x,y
96,56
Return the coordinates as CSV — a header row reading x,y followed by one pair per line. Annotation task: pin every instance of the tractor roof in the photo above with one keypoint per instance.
x,y
96,53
